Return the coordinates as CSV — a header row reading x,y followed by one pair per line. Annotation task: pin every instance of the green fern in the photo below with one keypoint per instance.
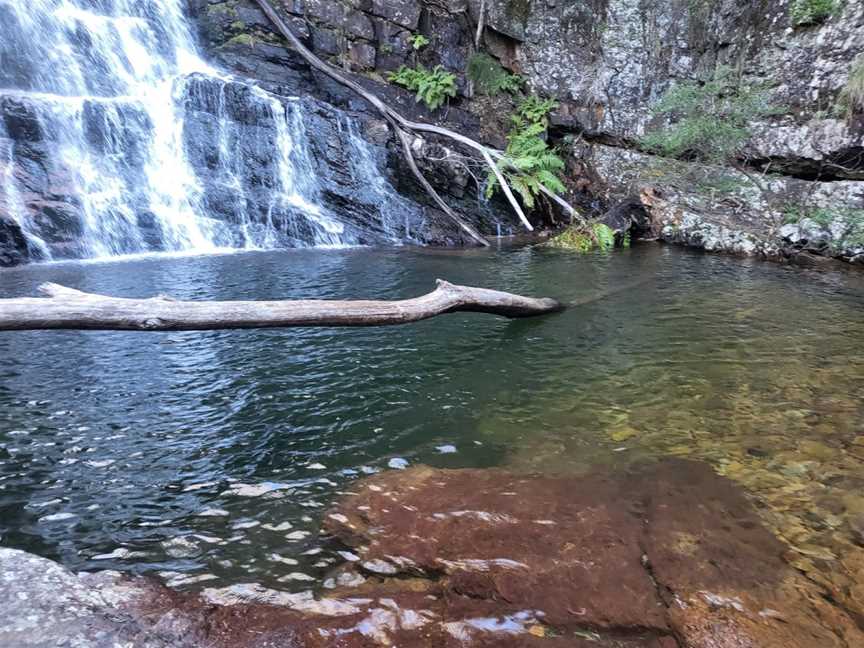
x,y
418,41
490,77
433,87
529,165
535,110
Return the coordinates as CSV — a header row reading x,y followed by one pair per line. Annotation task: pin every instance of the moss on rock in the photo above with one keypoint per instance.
x,y
585,238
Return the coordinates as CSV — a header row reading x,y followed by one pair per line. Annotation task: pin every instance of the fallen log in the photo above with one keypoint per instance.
x,y
67,308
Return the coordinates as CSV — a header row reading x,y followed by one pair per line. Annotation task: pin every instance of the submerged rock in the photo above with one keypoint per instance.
x,y
667,549
664,555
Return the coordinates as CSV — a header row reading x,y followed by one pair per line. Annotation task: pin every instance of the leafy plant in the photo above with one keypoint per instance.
x,y
852,95
529,165
418,41
432,86
811,12
490,77
535,110
709,121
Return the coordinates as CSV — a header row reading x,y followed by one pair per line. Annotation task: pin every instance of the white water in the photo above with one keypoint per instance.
x,y
109,82
388,201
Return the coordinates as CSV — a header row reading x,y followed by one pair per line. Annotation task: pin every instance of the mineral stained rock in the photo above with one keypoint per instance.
x,y
665,555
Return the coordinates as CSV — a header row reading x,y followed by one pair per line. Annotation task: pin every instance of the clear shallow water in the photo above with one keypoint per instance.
x,y
213,455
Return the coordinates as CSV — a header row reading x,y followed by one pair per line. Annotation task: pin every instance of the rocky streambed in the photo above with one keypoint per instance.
x,y
661,555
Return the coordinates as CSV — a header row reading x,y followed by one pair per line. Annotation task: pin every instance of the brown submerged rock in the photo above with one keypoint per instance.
x,y
669,555
669,550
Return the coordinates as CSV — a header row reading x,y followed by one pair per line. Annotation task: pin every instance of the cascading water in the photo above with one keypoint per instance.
x,y
118,138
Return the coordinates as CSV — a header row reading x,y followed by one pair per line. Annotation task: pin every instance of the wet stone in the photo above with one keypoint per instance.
x,y
666,548
661,555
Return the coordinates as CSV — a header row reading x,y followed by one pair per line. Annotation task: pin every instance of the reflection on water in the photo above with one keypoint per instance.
x,y
210,457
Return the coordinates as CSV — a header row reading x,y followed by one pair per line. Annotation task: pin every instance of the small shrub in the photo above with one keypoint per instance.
x,y
418,41
852,95
811,12
490,77
709,120
433,87
529,165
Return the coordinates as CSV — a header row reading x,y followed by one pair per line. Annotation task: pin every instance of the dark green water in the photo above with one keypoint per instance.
x,y
112,445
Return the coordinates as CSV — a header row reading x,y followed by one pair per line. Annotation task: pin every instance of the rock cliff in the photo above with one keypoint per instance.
x,y
796,184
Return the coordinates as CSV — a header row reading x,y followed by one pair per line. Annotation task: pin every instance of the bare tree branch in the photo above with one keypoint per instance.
x,y
67,308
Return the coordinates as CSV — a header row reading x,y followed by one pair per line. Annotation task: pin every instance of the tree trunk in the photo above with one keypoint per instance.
x,y
67,308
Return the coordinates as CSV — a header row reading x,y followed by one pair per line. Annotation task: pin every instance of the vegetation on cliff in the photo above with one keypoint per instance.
x,y
433,87
811,12
529,163
593,236
707,121
852,96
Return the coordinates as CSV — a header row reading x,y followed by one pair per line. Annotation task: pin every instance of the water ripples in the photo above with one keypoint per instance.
x,y
210,457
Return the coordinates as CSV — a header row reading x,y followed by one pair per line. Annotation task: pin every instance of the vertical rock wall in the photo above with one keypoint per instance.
x,y
608,62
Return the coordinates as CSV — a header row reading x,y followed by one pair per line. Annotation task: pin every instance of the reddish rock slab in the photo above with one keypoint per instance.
x,y
668,555
669,549
566,547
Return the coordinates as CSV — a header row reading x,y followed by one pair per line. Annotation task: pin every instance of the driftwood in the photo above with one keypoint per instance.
x,y
67,308
492,157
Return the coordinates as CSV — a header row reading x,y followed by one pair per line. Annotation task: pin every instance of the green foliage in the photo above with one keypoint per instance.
x,y
852,96
418,41
432,86
534,110
588,237
823,216
709,120
490,77
529,165
811,12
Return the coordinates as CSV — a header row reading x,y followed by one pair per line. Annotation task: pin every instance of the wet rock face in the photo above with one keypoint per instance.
x,y
334,169
664,556
608,62
13,244
358,37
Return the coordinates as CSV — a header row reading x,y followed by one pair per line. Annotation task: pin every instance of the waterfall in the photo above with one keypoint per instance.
x,y
380,192
116,137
